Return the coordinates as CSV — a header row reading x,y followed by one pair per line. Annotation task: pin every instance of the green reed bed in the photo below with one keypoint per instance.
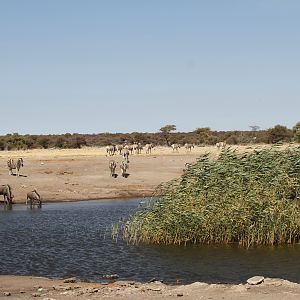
x,y
251,199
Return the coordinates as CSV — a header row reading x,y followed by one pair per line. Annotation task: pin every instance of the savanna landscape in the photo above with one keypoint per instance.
x,y
149,149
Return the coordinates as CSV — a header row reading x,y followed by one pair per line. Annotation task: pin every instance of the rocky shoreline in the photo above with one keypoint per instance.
x,y
26,287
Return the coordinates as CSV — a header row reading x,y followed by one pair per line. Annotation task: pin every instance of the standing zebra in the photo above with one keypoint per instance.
x,y
175,147
130,148
149,148
126,155
119,148
111,149
112,167
124,167
221,145
5,190
12,164
188,147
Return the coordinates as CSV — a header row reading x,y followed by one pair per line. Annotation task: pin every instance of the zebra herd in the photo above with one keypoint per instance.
x,y
32,197
131,149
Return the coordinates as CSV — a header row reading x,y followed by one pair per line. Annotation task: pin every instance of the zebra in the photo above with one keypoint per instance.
x,y
112,166
221,145
175,147
124,167
188,147
110,150
135,148
34,198
126,155
12,164
119,148
149,148
130,148
139,148
5,190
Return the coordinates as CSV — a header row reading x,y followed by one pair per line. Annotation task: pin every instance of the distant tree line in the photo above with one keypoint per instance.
x,y
165,136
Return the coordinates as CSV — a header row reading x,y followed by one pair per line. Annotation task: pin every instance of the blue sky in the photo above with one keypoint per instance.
x,y
123,66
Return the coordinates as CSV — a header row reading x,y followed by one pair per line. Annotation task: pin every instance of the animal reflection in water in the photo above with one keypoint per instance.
x,y
5,190
112,167
34,198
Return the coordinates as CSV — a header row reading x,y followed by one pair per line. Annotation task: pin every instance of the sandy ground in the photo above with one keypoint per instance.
x,y
82,174
24,287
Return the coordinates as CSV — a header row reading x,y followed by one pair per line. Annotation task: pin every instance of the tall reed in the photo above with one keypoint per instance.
x,y
251,199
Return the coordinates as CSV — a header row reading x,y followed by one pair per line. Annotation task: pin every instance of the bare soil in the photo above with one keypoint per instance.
x,y
83,174
24,287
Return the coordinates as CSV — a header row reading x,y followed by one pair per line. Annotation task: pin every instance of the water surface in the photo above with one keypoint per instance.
x,y
73,239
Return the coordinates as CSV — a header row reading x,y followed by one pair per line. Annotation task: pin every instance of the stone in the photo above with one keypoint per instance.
x,y
36,295
255,280
7,294
70,280
179,294
111,276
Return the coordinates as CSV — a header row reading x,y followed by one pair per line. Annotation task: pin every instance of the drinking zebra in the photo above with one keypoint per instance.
x,y
12,164
5,190
124,167
112,167
34,198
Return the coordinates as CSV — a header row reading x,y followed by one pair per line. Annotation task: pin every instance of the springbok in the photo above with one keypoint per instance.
x,y
12,164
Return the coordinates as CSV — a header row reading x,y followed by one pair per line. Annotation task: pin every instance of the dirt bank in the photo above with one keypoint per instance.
x,y
23,287
64,175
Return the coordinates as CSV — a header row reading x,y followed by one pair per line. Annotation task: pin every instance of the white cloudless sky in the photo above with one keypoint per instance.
x,y
124,66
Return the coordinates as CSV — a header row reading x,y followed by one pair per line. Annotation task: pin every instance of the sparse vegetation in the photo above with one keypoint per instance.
x,y
251,199
165,136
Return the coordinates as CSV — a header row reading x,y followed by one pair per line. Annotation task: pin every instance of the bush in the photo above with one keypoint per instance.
x,y
251,199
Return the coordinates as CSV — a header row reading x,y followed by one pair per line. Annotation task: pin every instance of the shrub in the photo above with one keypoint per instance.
x,y
251,199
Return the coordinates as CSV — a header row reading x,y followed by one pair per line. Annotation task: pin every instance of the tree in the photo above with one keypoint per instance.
x,y
278,134
166,132
254,127
296,132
